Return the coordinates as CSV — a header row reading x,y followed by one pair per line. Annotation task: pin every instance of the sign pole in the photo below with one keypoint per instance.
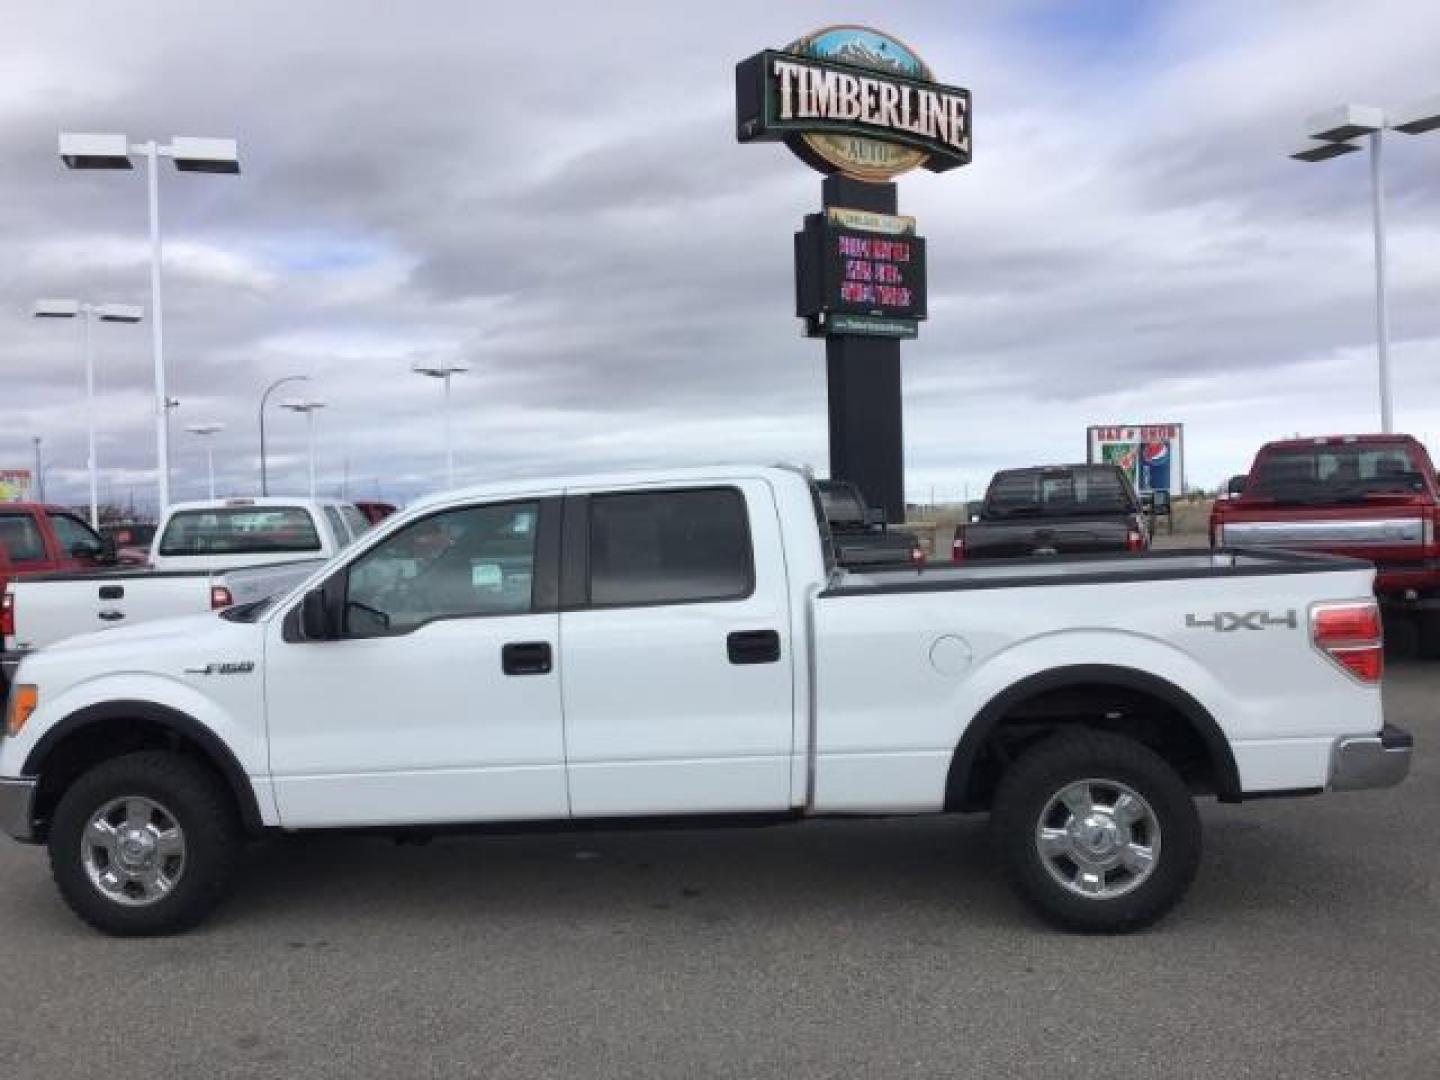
x,y
863,373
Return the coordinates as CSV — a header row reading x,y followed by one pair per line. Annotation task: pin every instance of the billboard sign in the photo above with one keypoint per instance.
x,y
1152,455
15,485
865,266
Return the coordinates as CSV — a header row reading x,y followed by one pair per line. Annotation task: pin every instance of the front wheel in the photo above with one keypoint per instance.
x,y
1099,832
144,844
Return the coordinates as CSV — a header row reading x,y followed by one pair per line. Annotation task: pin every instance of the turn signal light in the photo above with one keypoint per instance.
x,y
7,614
24,700
220,597
1352,636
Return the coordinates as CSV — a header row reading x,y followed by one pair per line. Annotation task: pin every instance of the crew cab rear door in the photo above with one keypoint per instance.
x,y
676,668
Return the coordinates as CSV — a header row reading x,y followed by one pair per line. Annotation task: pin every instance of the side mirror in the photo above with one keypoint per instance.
x,y
1236,486
315,622
1160,502
875,517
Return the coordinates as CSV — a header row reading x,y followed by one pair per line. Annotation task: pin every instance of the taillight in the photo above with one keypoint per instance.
x,y
220,597
917,555
7,614
1351,635
957,549
1134,540
1427,526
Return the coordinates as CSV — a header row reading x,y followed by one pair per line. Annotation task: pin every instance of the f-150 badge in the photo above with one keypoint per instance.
x,y
1226,622
237,667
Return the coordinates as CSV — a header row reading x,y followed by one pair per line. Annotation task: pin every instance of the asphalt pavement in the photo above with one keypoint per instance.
x,y
1309,947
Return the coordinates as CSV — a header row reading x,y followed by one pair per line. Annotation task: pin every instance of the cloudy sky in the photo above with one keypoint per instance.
x,y
552,193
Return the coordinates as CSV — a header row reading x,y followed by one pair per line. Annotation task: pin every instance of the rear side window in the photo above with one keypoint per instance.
x,y
76,539
20,538
248,530
669,547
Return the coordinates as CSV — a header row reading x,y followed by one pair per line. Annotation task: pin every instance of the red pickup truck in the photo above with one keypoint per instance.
x,y
36,539
1373,497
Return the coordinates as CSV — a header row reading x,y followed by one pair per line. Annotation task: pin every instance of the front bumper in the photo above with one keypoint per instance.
x,y
1371,761
17,807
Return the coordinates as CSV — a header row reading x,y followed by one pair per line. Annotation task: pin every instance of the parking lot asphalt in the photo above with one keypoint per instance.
x,y
1309,947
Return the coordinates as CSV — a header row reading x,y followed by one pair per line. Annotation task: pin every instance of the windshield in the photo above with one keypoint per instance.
x,y
1336,473
240,530
1058,493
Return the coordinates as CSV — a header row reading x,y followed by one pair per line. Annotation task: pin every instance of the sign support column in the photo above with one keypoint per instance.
x,y
863,373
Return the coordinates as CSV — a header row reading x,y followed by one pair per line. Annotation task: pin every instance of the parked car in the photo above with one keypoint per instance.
x,y
208,555
861,533
36,539
1370,497
1055,510
375,512
681,643
132,541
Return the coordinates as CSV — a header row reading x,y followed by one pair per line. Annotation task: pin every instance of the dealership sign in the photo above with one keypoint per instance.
x,y
860,273
856,101
15,485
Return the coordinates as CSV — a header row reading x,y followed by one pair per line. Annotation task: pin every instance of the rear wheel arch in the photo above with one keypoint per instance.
x,y
974,771
101,732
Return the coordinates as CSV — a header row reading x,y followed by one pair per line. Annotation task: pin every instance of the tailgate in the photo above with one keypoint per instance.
x,y
995,540
1394,535
47,611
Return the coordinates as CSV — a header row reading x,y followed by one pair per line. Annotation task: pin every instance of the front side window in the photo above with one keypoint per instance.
x,y
76,539
252,530
475,561
669,547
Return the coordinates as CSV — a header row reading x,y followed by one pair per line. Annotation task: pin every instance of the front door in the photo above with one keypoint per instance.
x,y
438,700
678,672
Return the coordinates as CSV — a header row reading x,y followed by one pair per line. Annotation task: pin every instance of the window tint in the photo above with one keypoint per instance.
x,y
240,530
1327,472
76,538
475,561
669,547
20,538
1059,491
357,521
337,527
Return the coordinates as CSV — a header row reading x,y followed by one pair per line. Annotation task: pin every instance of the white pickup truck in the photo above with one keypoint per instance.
x,y
206,555
682,644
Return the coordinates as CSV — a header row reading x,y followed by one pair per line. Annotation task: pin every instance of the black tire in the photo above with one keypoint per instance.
x,y
200,805
1040,774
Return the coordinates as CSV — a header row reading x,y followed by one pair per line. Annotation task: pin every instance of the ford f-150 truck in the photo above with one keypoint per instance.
x,y
1055,510
1371,497
682,643
206,555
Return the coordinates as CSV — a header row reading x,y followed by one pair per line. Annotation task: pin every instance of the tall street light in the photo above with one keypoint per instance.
x,y
309,407
111,150
86,313
1334,131
206,429
265,397
39,469
443,369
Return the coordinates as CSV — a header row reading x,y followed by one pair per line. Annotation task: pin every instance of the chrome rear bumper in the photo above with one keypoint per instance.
x,y
1371,761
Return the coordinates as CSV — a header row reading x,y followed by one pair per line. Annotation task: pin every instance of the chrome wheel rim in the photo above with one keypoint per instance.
x,y
1098,838
134,851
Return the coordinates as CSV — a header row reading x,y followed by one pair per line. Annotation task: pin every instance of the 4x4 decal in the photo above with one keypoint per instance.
x,y
1226,622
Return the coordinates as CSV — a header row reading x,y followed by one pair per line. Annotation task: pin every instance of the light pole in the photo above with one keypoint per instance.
x,y
206,429
39,470
86,313
309,407
1334,130
443,369
111,150
264,479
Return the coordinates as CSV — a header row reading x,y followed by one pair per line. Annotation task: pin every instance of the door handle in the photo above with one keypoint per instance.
x,y
753,646
112,616
112,592
526,658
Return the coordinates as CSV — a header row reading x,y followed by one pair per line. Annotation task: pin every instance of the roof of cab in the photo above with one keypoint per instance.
x,y
241,501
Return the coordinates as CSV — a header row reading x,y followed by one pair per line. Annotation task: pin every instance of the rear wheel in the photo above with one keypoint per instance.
x,y
144,844
1098,832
